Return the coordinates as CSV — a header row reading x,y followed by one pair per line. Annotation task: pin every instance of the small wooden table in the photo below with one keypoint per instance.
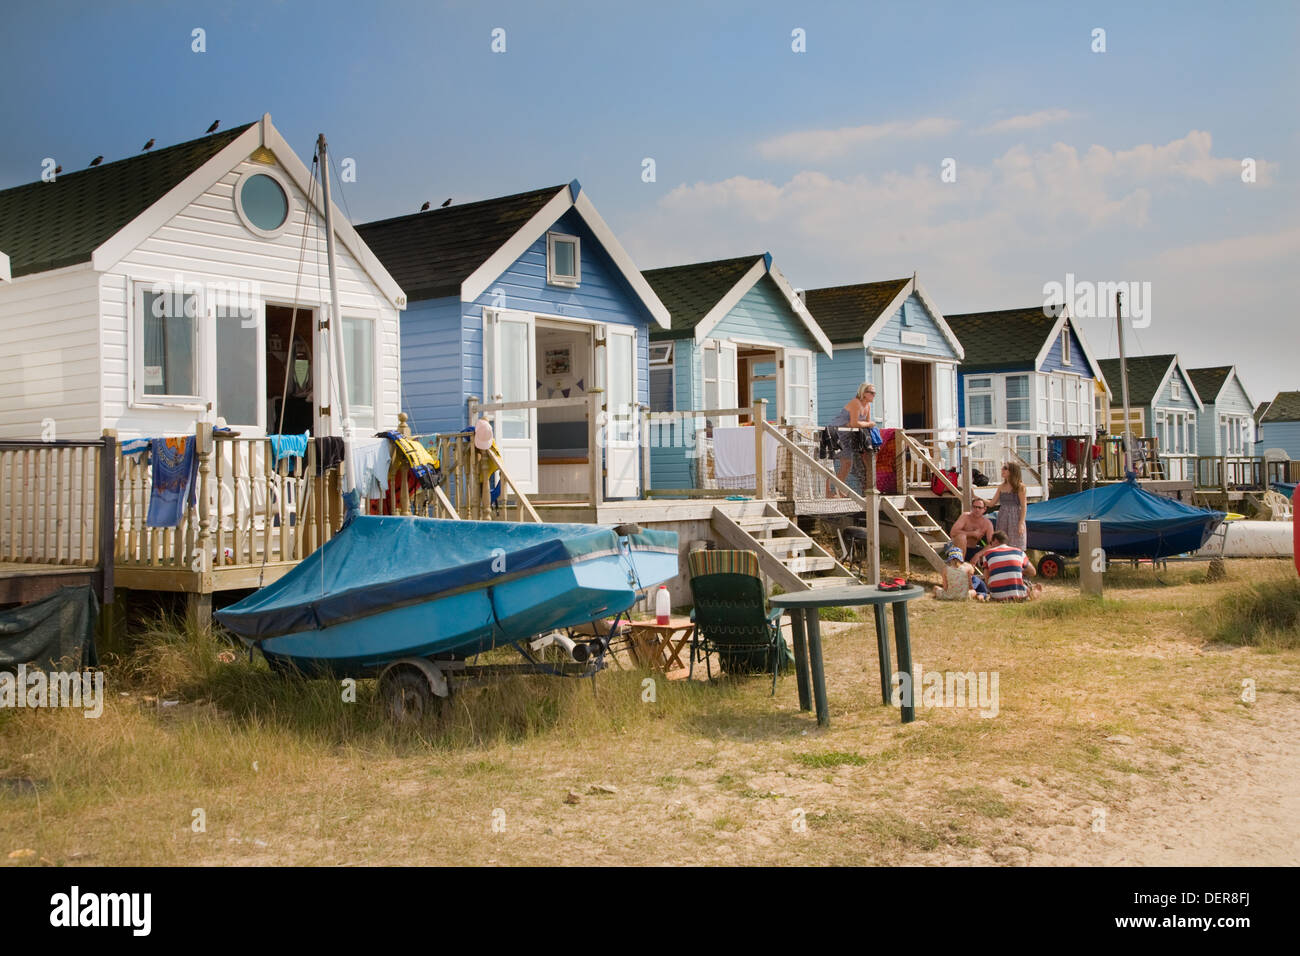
x,y
806,624
660,646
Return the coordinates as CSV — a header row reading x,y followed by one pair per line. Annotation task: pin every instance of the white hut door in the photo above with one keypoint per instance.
x,y
945,410
510,375
891,370
797,387
622,462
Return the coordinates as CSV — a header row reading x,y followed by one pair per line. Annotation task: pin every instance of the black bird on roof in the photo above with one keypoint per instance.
x,y
57,170
97,160
147,146
213,127
446,204
425,207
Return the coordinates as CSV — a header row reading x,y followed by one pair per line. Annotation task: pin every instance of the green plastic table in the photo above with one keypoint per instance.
x,y
806,622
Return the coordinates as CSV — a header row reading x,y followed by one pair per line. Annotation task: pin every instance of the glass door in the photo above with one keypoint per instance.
x,y
509,374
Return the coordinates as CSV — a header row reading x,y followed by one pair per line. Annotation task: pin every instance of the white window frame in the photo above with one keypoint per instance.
x,y
552,278
376,384
665,357
972,389
138,394
1175,389
272,173
1065,346
795,401
663,362
259,374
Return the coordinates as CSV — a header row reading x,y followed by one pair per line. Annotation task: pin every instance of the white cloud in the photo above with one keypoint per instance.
x,y
1028,121
815,145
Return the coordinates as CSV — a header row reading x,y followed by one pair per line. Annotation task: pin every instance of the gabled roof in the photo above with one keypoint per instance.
x,y
701,294
1008,338
1147,375
49,225
101,214
1260,409
1285,407
462,250
1209,382
855,314
431,253
845,312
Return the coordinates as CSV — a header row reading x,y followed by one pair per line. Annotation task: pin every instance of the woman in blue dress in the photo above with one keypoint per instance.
x,y
857,432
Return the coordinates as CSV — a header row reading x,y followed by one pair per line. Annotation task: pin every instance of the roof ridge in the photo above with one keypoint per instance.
x,y
232,134
462,206
701,265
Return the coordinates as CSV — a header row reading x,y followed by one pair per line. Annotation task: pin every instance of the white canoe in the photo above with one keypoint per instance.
x,y
1250,539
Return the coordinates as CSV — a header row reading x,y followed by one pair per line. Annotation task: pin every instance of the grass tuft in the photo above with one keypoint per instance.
x,y
1265,614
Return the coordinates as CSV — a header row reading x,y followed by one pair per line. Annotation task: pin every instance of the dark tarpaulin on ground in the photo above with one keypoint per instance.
x,y
54,633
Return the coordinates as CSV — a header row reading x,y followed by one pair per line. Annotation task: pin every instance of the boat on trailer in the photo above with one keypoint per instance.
x,y
388,588
1135,524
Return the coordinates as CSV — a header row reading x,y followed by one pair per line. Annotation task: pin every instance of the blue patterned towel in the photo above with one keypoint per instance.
x,y
173,462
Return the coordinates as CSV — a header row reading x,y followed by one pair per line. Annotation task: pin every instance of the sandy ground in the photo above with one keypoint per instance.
x,y
1235,803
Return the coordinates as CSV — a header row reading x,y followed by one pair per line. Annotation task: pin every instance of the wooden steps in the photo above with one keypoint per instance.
x,y
916,526
785,554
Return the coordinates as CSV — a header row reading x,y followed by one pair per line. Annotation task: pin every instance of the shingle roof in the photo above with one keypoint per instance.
x,y
1010,338
846,312
431,253
690,291
1260,409
1208,381
49,225
1145,373
1285,407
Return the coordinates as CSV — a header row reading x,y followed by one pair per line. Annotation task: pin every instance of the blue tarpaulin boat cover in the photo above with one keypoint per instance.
x,y
1134,522
378,563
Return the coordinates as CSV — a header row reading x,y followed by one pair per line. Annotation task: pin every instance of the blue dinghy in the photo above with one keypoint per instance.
x,y
1134,522
385,588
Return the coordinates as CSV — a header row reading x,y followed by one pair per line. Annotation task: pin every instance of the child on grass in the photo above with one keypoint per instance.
x,y
959,579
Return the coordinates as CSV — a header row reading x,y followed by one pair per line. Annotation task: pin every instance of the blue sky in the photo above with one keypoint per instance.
x,y
1115,166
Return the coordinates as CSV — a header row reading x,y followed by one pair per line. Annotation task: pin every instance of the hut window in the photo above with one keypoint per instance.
x,y
166,329
1065,345
563,260
239,338
1176,390
359,352
262,201
979,401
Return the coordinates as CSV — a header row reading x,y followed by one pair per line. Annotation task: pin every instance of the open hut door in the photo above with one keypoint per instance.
x,y
889,386
622,449
945,411
510,375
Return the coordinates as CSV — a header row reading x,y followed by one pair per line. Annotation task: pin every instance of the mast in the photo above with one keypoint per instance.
x,y
1123,379
341,423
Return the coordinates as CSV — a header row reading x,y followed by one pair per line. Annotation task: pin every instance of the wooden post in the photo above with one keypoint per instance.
x,y
403,425
873,534
759,417
1042,467
201,602
106,505
595,444
967,468
1091,557
643,442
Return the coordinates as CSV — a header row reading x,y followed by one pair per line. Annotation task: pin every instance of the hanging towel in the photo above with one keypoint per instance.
x,y
174,464
136,446
424,467
372,458
733,452
287,446
329,453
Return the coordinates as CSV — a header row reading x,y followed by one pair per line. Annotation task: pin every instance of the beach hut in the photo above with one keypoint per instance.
x,y
1226,436
1164,404
1279,425
173,287
526,298
739,333
1028,369
891,334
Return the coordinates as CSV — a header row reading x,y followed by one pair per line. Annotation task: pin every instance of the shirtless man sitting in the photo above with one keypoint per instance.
x,y
971,528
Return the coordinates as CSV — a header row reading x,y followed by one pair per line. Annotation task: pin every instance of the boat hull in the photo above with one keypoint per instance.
x,y
545,584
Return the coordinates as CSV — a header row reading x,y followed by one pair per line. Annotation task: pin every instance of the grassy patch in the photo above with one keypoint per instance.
x,y
821,761
1264,614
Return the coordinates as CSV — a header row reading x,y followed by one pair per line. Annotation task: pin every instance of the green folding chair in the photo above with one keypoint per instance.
x,y
732,618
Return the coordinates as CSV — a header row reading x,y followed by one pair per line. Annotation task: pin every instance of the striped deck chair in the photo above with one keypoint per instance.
x,y
732,618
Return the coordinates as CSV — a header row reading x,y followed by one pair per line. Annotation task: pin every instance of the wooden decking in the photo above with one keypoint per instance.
x,y
21,583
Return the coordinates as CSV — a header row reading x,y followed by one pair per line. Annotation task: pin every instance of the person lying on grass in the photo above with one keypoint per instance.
x,y
1007,568
960,581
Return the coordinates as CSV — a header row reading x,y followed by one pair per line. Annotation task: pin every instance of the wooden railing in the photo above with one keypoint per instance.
x,y
1230,473
593,406
466,488
55,499
699,424
249,509
1283,470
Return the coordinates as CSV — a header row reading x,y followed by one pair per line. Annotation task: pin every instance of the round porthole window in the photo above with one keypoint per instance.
x,y
262,201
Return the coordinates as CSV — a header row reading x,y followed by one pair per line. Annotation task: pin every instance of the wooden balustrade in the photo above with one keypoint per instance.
x,y
51,502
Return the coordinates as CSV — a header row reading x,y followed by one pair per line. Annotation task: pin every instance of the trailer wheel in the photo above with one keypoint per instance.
x,y
407,697
1050,566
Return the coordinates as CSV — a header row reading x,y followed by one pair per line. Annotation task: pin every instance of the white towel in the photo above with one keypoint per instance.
x,y
733,452
371,459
